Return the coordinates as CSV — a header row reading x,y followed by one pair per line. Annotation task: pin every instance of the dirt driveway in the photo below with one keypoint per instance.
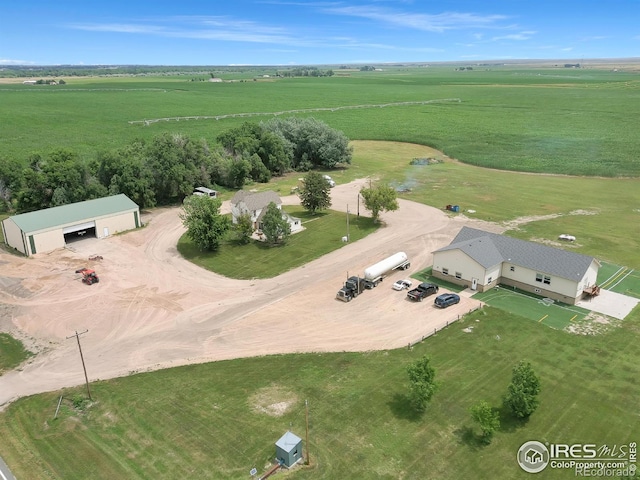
x,y
152,309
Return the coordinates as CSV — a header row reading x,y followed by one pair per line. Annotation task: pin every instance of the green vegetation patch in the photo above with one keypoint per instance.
x,y
532,207
12,352
219,420
322,234
525,119
619,279
533,307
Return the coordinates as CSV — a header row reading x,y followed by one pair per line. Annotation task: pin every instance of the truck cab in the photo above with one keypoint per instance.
x,y
351,289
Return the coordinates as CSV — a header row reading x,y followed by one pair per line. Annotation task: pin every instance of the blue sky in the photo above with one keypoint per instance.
x,y
280,32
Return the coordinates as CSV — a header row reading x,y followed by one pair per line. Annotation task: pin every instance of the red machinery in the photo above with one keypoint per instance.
x,y
88,276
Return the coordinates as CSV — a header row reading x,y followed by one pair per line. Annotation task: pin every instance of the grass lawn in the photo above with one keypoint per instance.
x,y
604,227
322,234
213,421
12,352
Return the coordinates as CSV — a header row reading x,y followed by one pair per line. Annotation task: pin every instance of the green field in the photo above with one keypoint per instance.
x,y
528,119
212,421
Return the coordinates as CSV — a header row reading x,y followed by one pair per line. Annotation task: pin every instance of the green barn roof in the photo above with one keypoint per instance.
x,y
53,217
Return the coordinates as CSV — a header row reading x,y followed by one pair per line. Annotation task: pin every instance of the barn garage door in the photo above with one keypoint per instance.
x,y
79,227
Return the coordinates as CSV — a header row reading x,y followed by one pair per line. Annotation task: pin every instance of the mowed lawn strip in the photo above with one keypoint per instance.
x,y
322,234
213,421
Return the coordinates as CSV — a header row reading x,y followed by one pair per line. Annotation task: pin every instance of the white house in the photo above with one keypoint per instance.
x,y
481,260
255,205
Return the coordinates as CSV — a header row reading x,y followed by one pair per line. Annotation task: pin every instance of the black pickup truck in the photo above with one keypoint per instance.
x,y
422,291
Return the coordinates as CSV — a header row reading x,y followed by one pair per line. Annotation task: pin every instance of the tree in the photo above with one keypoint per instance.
x,y
175,161
205,225
126,171
378,199
314,193
243,228
487,418
422,383
522,394
275,226
314,143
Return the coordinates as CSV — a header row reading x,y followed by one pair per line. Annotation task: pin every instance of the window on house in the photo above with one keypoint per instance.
x,y
445,271
458,275
547,280
539,277
512,268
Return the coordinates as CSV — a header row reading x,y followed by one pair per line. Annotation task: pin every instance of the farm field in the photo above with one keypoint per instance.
x,y
528,119
219,420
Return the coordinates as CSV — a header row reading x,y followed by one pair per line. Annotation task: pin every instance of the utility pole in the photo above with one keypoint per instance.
x,y
86,378
348,238
306,409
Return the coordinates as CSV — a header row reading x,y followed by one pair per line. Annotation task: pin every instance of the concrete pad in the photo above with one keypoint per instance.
x,y
610,303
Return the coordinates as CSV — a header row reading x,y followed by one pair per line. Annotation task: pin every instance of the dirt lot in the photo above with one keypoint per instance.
x,y
152,309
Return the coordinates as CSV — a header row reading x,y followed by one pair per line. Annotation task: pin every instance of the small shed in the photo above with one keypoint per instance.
x,y
289,449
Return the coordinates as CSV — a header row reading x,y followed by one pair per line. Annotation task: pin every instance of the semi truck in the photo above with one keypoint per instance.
x,y
374,274
351,289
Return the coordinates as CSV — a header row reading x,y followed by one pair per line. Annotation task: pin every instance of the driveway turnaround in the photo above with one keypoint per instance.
x,y
153,309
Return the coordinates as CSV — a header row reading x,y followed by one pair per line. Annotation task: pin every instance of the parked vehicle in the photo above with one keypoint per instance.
x,y
351,289
446,299
88,276
422,291
374,274
402,284
329,180
204,191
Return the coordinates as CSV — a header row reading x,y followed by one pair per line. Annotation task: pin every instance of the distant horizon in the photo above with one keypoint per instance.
x,y
316,32
391,63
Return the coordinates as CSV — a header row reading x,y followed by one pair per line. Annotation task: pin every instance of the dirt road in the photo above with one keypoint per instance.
x,y
152,309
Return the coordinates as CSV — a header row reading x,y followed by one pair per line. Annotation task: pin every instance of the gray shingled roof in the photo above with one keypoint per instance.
x,y
256,201
54,217
490,249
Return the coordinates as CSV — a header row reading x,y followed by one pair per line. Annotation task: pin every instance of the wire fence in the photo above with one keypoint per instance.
x,y
442,325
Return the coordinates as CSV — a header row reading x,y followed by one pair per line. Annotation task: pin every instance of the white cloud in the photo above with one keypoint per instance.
x,y
10,61
418,21
515,36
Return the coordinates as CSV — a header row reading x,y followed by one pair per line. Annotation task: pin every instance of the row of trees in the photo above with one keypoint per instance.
x,y
521,398
165,169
